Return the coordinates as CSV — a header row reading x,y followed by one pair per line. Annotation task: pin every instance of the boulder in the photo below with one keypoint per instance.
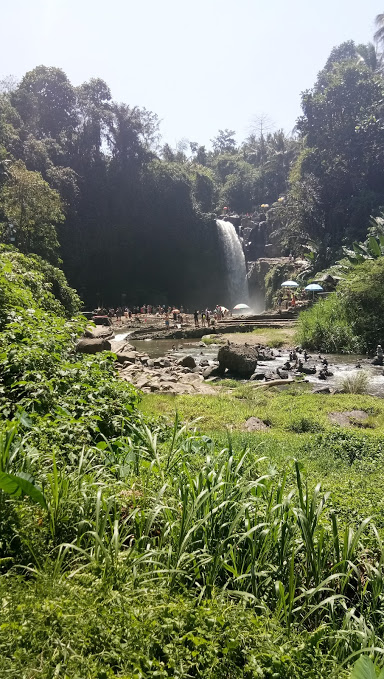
x,y
239,360
348,418
120,346
187,362
165,363
92,345
98,332
212,371
266,355
255,424
257,376
126,357
307,369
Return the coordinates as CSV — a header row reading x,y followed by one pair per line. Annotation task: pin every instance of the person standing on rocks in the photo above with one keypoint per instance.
x,y
196,317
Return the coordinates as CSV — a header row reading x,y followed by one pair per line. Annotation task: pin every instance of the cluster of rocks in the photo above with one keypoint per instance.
x,y
253,363
170,374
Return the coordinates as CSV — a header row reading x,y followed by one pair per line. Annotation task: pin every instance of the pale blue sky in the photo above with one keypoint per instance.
x,y
200,65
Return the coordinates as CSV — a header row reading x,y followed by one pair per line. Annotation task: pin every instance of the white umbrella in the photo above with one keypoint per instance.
x,y
315,287
289,284
241,306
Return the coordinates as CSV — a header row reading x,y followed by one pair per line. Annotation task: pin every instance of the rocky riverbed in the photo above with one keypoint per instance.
x,y
187,367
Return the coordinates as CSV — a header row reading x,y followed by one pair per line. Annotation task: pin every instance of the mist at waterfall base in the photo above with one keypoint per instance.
x,y
236,283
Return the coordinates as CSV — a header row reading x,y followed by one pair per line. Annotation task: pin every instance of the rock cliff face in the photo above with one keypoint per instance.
x,y
259,238
256,278
279,269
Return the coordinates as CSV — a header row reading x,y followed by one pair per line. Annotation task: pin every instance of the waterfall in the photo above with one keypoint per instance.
x,y
234,262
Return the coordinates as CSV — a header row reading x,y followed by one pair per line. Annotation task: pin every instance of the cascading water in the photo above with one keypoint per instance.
x,y
235,262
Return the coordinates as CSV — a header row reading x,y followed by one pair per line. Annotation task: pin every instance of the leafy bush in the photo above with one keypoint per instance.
x,y
350,446
304,424
82,629
30,282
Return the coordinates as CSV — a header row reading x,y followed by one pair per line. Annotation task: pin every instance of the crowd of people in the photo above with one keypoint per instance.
x,y
207,317
137,312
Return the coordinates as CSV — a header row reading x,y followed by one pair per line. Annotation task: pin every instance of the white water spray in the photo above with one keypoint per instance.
x,y
235,262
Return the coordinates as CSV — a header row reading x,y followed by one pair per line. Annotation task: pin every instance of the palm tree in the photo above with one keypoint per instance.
x,y
379,34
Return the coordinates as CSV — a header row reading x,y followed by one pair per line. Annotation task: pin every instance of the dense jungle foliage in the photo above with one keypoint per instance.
x,y
87,179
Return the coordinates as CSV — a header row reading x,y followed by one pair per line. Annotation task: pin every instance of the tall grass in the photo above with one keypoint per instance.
x,y
160,508
221,527
355,384
324,327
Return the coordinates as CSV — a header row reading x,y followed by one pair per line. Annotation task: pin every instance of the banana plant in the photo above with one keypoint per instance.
x,y
21,484
365,669
371,249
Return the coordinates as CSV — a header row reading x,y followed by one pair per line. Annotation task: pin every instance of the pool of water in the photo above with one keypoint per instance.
x,y
157,348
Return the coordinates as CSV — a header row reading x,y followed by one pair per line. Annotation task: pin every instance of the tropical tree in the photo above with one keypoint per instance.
x,y
45,100
224,142
379,33
31,209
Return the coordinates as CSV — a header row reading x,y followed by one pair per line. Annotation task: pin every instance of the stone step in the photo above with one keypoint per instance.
x,y
280,321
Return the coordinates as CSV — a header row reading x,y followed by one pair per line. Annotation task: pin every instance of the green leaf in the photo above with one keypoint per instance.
x,y
18,486
359,249
374,247
363,669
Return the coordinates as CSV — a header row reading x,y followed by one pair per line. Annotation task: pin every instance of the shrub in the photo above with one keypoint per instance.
x,y
350,446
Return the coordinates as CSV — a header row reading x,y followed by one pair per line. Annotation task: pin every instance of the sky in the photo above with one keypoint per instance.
x,y
201,65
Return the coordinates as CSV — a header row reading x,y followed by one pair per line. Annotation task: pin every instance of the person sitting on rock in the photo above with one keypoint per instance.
x,y
379,358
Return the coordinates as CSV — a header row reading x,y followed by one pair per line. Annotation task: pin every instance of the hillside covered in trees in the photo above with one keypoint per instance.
x,y
86,179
